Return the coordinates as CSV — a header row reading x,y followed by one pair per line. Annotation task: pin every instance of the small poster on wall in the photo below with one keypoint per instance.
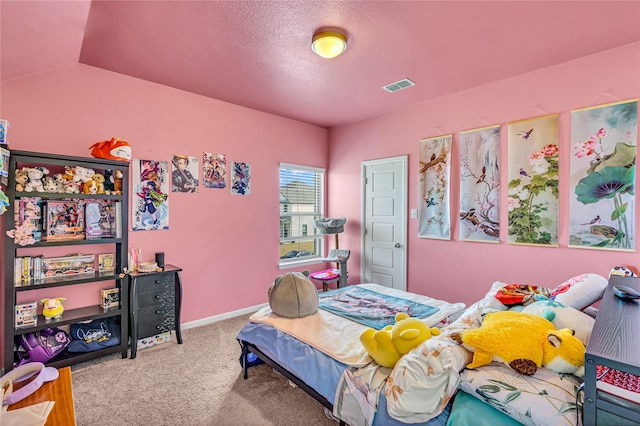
x,y
533,181
184,173
480,184
603,173
434,186
214,170
150,198
240,178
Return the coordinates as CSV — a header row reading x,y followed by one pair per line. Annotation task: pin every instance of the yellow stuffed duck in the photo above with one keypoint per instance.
x,y
388,345
525,342
52,308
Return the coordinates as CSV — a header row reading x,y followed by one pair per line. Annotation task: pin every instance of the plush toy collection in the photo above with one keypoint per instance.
x,y
74,180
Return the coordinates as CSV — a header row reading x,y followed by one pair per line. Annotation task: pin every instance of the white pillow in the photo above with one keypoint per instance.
x,y
563,317
546,398
580,291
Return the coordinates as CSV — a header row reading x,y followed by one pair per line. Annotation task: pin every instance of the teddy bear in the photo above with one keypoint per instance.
x,y
21,179
35,175
388,345
525,342
117,181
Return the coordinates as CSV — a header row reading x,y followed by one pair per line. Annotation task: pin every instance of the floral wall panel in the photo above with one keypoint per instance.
x,y
150,198
434,187
480,184
533,181
603,170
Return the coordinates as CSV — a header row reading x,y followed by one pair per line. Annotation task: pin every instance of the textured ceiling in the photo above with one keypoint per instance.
x,y
257,53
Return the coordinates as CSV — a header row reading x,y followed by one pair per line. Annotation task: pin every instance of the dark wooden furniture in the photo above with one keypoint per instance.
x,y
614,343
65,284
156,298
59,390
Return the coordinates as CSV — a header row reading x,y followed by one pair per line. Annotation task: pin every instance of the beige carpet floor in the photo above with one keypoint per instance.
x,y
197,383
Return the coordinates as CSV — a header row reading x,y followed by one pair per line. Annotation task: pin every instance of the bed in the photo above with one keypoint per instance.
x,y
428,386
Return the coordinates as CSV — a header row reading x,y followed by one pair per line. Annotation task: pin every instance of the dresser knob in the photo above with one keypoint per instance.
x,y
157,312
157,296
157,327
157,281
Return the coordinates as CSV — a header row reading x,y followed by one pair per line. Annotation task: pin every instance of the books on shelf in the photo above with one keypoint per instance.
x,y
618,383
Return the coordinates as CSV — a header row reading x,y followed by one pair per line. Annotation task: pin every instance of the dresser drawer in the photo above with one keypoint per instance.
x,y
159,296
151,328
154,282
154,313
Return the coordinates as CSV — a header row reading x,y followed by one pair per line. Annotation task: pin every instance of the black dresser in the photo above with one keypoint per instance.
x,y
156,298
614,344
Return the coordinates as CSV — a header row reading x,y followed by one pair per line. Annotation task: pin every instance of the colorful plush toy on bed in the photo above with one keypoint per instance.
x,y
388,345
525,342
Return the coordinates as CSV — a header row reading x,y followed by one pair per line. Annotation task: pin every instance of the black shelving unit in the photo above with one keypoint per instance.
x,y
19,159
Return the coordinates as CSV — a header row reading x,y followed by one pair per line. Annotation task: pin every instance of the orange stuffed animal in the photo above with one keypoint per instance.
x,y
113,149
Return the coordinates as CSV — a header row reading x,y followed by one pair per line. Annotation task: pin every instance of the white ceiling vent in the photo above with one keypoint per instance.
x,y
398,85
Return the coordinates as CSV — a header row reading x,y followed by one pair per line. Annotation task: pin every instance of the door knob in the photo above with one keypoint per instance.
x,y
397,245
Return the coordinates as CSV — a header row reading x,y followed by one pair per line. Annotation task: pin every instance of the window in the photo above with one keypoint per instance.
x,y
301,203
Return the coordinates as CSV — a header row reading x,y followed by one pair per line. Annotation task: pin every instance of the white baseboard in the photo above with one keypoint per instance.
x,y
216,318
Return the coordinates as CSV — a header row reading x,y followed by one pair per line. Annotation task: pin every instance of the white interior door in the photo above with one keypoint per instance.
x,y
384,204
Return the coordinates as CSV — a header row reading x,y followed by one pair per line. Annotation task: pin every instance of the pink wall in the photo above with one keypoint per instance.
x,y
226,244
464,271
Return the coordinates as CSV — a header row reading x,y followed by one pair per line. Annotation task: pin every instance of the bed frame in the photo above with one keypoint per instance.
x,y
249,347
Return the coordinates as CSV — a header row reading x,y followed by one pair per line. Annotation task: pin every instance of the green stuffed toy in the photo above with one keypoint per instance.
x,y
388,345
525,342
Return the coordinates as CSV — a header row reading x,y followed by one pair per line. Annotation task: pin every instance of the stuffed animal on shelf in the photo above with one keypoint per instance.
x,y
99,180
59,179
117,181
52,308
90,187
21,179
35,174
49,184
113,149
82,174
388,345
525,342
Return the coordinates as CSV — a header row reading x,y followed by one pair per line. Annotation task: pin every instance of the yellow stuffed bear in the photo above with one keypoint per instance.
x,y
525,342
386,346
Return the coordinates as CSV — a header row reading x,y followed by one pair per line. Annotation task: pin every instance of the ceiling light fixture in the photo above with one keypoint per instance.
x,y
329,44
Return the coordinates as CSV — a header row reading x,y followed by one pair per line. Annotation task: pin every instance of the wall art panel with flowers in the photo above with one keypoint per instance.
x,y
533,181
603,172
434,187
480,184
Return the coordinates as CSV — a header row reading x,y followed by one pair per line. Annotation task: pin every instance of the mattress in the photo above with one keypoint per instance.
x,y
297,357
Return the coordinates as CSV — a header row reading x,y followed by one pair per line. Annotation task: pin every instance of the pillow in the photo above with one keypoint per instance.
x,y
563,317
467,410
293,295
424,380
520,294
580,291
543,399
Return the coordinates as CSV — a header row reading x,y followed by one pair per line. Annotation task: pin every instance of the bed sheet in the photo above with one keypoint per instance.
x,y
297,357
